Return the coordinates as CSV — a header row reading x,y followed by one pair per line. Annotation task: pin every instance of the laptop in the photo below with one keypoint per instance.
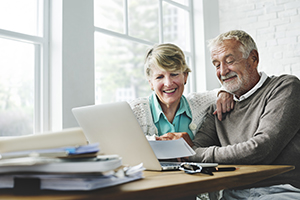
x,y
117,131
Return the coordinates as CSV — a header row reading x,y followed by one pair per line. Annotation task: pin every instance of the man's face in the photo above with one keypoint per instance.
x,y
237,74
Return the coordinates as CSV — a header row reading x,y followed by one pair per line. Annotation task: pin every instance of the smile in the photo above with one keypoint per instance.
x,y
228,78
170,91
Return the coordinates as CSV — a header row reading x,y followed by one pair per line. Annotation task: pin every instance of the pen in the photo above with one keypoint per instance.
x,y
210,170
224,169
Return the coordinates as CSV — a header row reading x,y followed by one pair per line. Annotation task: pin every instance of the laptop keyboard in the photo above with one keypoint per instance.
x,y
169,165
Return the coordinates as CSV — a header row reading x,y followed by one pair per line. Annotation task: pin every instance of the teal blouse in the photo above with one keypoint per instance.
x,y
182,119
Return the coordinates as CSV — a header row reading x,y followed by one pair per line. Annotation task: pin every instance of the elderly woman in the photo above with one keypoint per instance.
x,y
167,113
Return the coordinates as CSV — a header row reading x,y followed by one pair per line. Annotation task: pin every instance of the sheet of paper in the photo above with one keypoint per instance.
x,y
57,165
169,149
54,152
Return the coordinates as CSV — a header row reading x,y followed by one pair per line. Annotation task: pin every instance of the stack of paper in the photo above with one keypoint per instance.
x,y
71,181
63,168
82,159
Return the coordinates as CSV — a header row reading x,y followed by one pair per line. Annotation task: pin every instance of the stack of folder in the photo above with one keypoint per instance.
x,y
68,167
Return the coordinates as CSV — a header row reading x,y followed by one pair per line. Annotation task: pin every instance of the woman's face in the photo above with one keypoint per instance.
x,y
168,86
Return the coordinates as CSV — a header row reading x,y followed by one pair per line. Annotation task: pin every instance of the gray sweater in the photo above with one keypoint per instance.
x,y
262,129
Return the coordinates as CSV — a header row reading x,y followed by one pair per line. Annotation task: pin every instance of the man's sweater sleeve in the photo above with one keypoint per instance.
x,y
206,139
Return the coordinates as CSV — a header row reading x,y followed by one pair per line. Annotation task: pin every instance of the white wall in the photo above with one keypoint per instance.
x,y
274,25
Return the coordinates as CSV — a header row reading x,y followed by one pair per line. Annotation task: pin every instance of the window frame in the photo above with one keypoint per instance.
x,y
41,68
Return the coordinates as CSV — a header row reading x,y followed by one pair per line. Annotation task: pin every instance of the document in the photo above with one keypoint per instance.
x,y
169,149
60,165
53,152
48,140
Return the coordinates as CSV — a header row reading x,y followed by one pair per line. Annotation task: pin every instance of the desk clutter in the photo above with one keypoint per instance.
x,y
74,165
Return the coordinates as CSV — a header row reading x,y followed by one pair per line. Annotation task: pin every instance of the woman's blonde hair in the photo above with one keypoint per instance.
x,y
168,57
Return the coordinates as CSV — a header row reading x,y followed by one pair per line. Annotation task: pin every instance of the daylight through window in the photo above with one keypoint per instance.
x,y
22,46
124,30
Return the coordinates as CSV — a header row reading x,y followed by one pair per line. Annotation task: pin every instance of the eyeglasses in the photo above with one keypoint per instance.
x,y
193,168
190,168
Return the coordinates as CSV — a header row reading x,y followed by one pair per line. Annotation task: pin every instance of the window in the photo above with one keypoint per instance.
x,y
23,65
124,30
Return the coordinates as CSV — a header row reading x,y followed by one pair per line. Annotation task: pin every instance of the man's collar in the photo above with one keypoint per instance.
x,y
263,78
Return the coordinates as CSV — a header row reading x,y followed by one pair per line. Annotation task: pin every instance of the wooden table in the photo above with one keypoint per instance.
x,y
165,185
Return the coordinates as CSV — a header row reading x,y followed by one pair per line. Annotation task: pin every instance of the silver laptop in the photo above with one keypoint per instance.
x,y
117,131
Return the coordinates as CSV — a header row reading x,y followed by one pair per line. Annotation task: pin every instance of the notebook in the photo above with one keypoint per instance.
x,y
117,131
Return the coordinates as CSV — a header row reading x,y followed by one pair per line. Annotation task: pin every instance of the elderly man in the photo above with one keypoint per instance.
x,y
263,128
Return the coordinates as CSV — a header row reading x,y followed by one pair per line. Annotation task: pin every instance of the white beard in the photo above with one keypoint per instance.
x,y
233,85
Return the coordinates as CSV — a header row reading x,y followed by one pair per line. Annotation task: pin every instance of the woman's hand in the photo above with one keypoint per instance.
x,y
225,103
175,136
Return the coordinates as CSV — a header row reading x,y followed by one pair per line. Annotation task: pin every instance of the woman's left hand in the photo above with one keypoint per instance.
x,y
225,103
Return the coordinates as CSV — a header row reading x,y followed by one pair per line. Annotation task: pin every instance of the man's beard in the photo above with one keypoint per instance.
x,y
233,85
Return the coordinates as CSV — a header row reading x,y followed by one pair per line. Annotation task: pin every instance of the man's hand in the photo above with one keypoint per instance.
x,y
175,136
225,103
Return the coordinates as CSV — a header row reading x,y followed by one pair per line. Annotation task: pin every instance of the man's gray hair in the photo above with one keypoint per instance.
x,y
247,42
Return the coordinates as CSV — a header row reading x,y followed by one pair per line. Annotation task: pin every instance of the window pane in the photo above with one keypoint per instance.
x,y
187,88
109,15
183,2
16,88
176,26
119,71
20,16
143,19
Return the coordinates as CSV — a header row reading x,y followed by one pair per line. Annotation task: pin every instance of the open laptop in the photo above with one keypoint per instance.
x,y
117,131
